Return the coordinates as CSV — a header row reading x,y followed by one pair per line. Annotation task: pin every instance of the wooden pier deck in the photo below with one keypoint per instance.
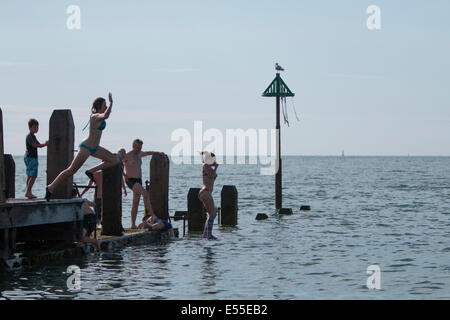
x,y
36,231
35,220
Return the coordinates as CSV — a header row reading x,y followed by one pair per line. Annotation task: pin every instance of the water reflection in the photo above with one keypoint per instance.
x,y
209,271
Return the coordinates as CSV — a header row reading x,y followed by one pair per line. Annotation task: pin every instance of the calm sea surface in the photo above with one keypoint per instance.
x,y
390,211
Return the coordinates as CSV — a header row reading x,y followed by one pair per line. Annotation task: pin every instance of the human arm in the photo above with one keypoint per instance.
x,y
150,153
40,145
31,139
105,115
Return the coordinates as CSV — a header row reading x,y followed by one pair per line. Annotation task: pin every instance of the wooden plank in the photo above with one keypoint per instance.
x,y
39,213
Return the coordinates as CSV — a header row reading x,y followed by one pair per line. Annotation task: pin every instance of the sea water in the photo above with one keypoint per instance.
x,y
392,212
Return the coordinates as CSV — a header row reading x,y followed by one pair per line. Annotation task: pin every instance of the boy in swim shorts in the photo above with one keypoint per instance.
x,y
31,156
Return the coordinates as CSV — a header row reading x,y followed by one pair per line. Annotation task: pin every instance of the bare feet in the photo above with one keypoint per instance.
x,y
134,227
30,196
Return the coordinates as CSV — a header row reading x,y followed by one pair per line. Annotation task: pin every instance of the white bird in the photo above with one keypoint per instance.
x,y
278,67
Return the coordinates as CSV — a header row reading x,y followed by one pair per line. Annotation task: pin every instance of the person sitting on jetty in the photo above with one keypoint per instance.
x,y
133,175
153,223
98,177
89,222
31,156
90,146
209,175
97,194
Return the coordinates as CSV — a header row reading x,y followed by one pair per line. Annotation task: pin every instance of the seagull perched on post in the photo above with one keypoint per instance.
x,y
278,67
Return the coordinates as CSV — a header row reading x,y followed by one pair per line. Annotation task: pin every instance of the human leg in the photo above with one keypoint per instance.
x,y
29,193
138,188
207,200
108,158
134,209
32,171
76,164
95,242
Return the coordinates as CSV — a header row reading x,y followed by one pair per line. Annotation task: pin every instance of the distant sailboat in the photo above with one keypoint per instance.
x,y
343,153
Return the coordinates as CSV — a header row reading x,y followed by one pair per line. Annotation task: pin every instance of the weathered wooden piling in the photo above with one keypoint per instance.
x,y
2,162
285,211
60,151
261,216
159,185
112,201
196,211
10,176
229,206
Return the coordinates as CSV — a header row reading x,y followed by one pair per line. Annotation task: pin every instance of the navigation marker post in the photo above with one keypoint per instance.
x,y
278,89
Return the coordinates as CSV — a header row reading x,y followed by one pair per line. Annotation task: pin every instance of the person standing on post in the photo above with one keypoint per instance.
x,y
31,156
133,175
90,146
209,175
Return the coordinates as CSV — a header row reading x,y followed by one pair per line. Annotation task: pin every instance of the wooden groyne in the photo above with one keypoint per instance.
x,y
39,253
37,231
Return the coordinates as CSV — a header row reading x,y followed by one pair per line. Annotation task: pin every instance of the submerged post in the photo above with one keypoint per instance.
x,y
112,201
10,176
2,162
196,211
159,185
60,151
229,206
278,89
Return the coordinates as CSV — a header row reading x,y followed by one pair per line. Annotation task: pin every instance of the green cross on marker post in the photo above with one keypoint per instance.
x,y
278,89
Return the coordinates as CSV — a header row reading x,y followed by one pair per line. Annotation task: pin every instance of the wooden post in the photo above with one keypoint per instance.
x,y
278,192
159,185
2,162
4,245
10,176
196,211
112,201
229,206
60,151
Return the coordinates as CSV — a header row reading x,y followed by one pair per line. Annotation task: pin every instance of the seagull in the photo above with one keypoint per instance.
x,y
278,67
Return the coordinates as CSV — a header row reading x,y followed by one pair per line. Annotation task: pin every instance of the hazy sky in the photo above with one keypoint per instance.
x,y
168,63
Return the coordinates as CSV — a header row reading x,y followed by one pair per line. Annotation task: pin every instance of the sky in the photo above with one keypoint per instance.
x,y
170,63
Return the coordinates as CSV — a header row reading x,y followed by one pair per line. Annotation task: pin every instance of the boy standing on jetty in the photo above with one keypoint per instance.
x,y
133,174
31,156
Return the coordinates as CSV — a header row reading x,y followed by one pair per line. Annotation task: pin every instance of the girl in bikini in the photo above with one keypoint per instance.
x,y
89,146
209,175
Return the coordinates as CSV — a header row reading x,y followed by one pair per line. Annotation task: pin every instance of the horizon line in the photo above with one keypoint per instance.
x,y
297,155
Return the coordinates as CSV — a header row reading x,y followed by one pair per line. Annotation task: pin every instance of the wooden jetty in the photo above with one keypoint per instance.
x,y
37,231
26,220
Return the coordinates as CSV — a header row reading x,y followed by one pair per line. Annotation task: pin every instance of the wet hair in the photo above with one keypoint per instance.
x,y
74,193
138,141
98,103
32,122
212,154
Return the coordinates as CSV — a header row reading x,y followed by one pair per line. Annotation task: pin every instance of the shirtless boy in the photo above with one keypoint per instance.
x,y
133,175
